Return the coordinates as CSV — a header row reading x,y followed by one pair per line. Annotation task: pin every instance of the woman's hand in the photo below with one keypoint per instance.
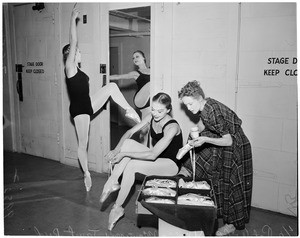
x,y
110,155
118,157
199,141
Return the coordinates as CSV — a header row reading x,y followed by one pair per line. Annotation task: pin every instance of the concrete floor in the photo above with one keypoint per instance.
x,y
44,197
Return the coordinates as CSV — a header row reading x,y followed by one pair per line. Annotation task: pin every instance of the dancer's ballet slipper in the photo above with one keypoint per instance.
x,y
87,181
105,194
115,214
183,151
225,230
132,114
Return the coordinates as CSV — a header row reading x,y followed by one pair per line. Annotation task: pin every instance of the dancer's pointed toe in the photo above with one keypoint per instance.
x,y
105,194
87,181
132,114
115,214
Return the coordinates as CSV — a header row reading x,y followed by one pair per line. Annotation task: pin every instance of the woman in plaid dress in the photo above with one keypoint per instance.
x,y
223,154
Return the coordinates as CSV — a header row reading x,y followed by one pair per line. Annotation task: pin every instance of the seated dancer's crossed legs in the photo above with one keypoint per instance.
x,y
112,183
129,168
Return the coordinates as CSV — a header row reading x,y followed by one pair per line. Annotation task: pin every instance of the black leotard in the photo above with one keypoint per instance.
x,y
141,81
78,88
176,143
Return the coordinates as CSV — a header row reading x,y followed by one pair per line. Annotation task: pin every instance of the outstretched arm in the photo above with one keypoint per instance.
x,y
225,140
70,62
130,75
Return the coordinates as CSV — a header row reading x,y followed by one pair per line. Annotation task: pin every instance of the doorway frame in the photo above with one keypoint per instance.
x,y
8,11
120,6
120,52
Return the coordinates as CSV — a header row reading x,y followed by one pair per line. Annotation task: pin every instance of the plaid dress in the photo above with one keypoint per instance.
x,y
229,167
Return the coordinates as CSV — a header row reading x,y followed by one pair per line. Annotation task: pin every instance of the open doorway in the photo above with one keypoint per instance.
x,y
129,31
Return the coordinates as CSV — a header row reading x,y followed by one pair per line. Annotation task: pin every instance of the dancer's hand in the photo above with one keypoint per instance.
x,y
110,155
191,142
75,12
117,158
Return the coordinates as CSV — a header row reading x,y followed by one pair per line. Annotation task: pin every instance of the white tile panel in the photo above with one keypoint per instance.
x,y
273,102
288,200
270,9
264,132
289,136
265,194
279,33
280,167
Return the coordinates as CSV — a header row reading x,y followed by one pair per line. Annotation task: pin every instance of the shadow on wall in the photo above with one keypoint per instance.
x,y
193,117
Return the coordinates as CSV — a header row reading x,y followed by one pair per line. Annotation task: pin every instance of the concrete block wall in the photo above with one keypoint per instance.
x,y
195,41
205,42
268,103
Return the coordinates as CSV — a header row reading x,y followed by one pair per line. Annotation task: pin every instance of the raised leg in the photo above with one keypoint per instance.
x,y
112,90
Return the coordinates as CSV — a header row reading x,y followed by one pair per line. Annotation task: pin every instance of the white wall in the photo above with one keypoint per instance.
x,y
200,41
268,104
195,41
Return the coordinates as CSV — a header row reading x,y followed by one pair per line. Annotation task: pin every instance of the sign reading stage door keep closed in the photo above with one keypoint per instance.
x,y
35,67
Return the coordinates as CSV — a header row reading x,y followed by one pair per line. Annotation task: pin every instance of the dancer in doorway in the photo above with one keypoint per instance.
x,y
142,77
131,157
223,154
82,106
142,96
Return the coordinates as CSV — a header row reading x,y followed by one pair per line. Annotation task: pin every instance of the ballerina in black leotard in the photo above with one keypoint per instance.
x,y
142,96
82,106
131,157
142,78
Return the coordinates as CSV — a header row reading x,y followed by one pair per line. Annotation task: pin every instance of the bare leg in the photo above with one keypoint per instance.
x,y
82,123
161,166
128,146
112,90
145,112
144,133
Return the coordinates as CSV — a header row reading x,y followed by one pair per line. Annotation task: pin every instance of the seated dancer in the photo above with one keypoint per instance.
x,y
130,157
